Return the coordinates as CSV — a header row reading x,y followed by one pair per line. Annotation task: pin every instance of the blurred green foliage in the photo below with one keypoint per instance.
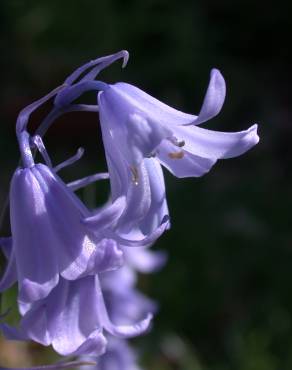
x,y
225,294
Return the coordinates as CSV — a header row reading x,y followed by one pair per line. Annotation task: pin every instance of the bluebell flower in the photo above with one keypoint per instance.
x,y
49,238
50,224
140,126
72,318
126,305
140,133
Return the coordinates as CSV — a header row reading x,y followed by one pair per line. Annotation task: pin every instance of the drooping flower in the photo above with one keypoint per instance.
x,y
140,133
144,127
72,318
49,223
126,305
48,236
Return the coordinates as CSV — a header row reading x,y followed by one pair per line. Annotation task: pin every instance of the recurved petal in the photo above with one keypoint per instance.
x,y
107,216
214,98
108,256
136,238
121,331
129,331
95,344
182,163
214,144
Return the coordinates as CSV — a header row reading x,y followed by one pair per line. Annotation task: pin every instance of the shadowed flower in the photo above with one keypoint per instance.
x,y
119,356
126,304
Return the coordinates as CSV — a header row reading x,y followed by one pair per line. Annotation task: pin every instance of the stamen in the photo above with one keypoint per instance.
x,y
135,175
174,140
151,155
38,142
70,160
176,155
78,184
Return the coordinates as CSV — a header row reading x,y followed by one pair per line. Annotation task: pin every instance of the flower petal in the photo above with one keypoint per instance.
x,y
214,144
184,164
121,331
136,239
108,257
95,344
135,132
214,98
106,216
75,243
158,207
35,325
134,185
97,65
73,318
33,238
143,102
145,260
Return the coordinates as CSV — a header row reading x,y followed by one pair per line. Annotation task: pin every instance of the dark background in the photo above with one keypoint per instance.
x,y
225,293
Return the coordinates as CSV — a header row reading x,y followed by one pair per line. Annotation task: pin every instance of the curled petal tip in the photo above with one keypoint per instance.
x,y
253,135
126,56
215,72
80,152
130,331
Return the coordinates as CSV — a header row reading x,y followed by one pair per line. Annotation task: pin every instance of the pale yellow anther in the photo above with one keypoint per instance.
x,y
176,155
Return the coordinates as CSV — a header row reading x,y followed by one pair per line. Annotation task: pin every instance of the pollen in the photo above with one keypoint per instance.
x,y
176,155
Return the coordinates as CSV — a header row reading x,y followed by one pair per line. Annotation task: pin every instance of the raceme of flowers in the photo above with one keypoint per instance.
x,y
76,268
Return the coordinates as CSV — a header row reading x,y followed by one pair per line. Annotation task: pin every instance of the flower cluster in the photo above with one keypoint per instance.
x,y
75,267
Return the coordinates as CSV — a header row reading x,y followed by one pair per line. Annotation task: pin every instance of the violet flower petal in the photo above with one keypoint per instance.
x,y
214,144
121,331
137,239
107,215
184,164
